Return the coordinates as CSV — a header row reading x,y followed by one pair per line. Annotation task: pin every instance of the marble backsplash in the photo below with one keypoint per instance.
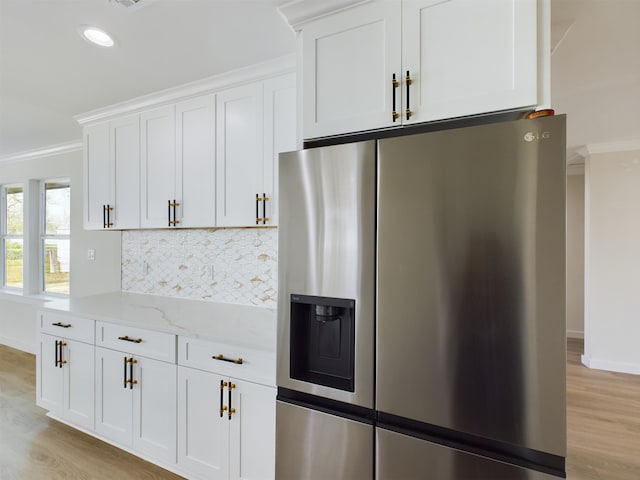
x,y
236,265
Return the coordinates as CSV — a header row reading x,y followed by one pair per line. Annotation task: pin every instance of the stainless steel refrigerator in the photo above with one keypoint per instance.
x,y
421,325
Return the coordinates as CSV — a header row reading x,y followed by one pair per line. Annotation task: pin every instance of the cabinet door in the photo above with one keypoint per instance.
x,y
279,136
349,60
467,57
158,172
125,156
253,431
239,155
78,383
114,399
196,157
49,377
98,174
154,409
203,431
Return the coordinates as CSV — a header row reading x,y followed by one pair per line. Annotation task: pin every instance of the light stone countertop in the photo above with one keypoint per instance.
x,y
253,327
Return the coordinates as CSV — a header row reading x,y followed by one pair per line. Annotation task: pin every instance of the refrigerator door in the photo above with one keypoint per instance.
x,y
313,445
326,260
403,457
471,281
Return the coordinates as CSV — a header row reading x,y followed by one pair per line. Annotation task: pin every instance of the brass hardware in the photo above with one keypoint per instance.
x,y
394,84
109,223
258,198
231,410
57,353
266,219
232,386
127,339
264,209
266,199
239,361
63,325
170,205
408,82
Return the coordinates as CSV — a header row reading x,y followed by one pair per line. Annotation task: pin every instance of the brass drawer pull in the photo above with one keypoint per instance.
x,y
239,361
127,339
60,324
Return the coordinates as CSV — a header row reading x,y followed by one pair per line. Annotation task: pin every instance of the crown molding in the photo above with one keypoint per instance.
x,y
298,12
608,147
252,73
50,151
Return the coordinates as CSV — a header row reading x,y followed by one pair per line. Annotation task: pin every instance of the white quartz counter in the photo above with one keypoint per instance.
x,y
241,325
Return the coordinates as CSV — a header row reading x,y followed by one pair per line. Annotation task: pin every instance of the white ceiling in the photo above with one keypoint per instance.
x,y
48,73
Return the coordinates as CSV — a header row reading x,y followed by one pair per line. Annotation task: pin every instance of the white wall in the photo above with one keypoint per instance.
x,y
17,313
612,260
575,255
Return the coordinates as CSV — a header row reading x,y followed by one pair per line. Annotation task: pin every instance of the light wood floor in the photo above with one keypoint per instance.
x,y
603,416
34,447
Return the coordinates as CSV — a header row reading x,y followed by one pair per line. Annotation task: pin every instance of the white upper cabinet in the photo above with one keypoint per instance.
x,y
158,156
125,157
209,160
391,63
98,175
466,57
279,136
239,160
349,60
196,161
112,174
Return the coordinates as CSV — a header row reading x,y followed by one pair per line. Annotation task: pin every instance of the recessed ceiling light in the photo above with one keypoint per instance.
x,y
96,35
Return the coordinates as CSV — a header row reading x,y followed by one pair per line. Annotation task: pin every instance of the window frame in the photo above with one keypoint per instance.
x,y
44,236
5,235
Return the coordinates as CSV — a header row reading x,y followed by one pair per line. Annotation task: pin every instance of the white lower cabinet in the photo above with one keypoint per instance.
x,y
136,403
65,379
203,409
226,426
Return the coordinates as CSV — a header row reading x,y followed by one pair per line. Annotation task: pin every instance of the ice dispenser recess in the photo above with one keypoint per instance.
x,y
323,341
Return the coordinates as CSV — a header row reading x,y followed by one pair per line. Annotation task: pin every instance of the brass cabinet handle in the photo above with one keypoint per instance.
x,y
223,408
104,216
57,353
129,381
239,360
394,85
264,209
258,200
62,362
109,209
172,205
408,81
127,339
60,324
231,410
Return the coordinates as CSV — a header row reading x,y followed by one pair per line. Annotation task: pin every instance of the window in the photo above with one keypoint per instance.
x,y
56,242
12,236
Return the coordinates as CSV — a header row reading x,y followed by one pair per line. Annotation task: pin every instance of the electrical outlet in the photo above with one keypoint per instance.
x,y
210,272
91,254
145,268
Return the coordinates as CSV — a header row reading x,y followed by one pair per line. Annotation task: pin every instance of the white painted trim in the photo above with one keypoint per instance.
x,y
620,367
58,149
575,169
298,12
587,258
544,53
18,345
252,73
575,334
609,147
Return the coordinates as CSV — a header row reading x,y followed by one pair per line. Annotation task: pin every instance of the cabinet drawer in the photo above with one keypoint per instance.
x,y
67,326
257,365
137,341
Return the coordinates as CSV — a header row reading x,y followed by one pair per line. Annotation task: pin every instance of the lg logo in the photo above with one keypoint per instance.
x,y
531,136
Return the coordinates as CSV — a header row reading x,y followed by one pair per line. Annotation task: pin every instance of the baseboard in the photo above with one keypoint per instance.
x,y
18,345
575,334
620,367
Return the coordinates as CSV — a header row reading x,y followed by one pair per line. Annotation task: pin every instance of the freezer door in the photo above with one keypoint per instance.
x,y
312,445
471,281
408,458
326,249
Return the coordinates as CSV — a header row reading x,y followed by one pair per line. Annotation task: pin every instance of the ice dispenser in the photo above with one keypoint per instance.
x,y
323,341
